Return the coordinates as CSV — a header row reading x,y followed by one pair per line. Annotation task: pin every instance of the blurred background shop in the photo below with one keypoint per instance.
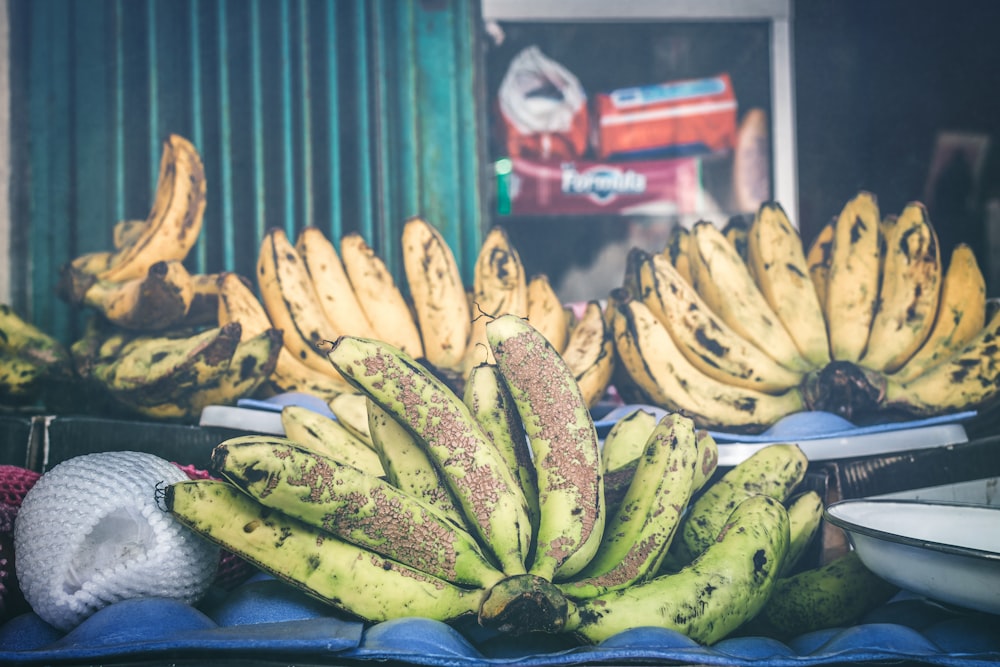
x,y
357,114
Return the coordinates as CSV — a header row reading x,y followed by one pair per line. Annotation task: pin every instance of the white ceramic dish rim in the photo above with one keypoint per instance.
x,y
943,547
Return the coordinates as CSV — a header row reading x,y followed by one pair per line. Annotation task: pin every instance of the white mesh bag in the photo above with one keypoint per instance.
x,y
91,532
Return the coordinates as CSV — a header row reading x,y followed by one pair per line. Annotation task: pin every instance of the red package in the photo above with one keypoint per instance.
x,y
542,108
676,118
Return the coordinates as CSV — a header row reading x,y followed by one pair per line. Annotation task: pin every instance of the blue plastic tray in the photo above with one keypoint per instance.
x,y
270,620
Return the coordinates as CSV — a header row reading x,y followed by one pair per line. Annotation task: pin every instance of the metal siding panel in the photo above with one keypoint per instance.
x,y
352,115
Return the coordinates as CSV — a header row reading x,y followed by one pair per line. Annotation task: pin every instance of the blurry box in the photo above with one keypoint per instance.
x,y
683,117
584,187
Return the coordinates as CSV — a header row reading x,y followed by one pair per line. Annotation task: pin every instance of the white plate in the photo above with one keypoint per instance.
x,y
949,552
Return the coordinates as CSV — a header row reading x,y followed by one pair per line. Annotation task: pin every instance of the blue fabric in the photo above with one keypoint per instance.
x,y
270,619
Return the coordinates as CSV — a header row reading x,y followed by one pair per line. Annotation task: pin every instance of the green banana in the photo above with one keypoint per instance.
x,y
20,379
470,463
564,444
620,453
491,404
726,586
351,410
805,515
327,436
638,535
347,577
836,594
406,464
357,507
774,471
708,460
29,342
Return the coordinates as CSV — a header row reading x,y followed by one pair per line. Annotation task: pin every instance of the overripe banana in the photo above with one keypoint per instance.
x,y
470,463
336,295
737,231
328,437
590,353
637,536
710,598
564,447
353,505
379,296
126,232
175,220
818,260
346,577
705,339
909,292
967,380
156,301
678,251
853,279
961,314
438,293
723,281
777,261
652,361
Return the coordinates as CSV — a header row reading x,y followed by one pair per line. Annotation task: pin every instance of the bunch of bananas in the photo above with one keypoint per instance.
x,y
738,329
491,504
33,364
154,344
315,293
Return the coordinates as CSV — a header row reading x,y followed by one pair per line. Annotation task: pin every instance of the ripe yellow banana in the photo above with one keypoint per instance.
x,y
564,446
818,259
407,466
590,353
546,311
637,536
472,466
853,280
708,599
723,281
909,291
379,296
774,471
323,435
347,577
204,308
652,361
499,286
737,230
291,300
967,380
777,261
355,506
238,303
154,302
337,298
704,338
493,407
438,293
678,251
127,232
77,275
174,222
961,314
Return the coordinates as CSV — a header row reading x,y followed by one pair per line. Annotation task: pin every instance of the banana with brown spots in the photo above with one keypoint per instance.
x,y
353,505
707,600
347,577
471,465
564,444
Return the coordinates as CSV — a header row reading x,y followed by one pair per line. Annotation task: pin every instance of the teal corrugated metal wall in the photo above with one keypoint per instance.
x,y
347,114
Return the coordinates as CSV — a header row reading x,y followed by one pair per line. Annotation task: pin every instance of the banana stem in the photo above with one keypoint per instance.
x,y
524,603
